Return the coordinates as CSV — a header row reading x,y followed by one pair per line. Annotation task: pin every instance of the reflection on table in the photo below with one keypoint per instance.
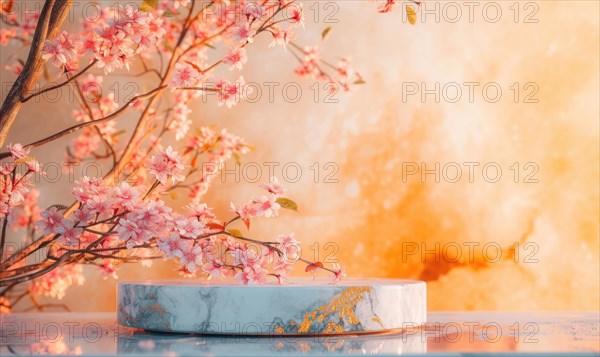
x,y
455,332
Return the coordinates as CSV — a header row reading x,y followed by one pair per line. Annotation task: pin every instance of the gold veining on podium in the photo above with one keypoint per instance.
x,y
343,304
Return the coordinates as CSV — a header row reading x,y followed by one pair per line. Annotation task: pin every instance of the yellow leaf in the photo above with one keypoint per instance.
x,y
24,160
195,66
148,5
287,203
411,14
235,232
325,33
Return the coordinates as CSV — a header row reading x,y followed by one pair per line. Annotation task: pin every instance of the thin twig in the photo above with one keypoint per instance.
x,y
29,97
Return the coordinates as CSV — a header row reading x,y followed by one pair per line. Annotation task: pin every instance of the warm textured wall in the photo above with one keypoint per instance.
x,y
383,220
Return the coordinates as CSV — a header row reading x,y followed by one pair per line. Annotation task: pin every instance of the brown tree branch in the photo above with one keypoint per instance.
x,y
52,16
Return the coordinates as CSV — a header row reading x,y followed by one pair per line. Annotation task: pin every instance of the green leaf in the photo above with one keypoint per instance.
x,y
325,33
287,203
148,5
359,81
235,232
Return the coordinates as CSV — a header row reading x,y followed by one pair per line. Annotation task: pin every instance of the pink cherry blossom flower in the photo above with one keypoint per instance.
x,y
6,35
107,104
198,191
343,68
84,214
18,188
18,151
12,192
243,33
172,5
147,221
103,208
6,168
265,206
126,196
281,37
29,211
201,211
63,51
89,188
191,256
185,76
274,186
232,144
244,211
189,227
236,58
16,68
178,3
289,246
252,275
53,50
56,282
69,233
340,273
215,268
388,6
131,232
29,25
296,14
171,245
33,166
282,270
166,164
180,123
249,257
232,93
253,10
203,141
83,145
52,221
108,269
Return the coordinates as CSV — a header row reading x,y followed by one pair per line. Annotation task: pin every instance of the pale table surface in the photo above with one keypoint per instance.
x,y
446,333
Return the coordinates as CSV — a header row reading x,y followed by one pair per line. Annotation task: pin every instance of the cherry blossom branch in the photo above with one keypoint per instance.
x,y
22,279
3,238
72,78
77,127
129,148
58,262
90,113
51,18
185,48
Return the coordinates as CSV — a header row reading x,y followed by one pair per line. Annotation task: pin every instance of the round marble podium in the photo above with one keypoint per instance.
x,y
303,307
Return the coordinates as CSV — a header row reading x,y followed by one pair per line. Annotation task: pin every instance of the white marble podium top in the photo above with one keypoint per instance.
x,y
453,333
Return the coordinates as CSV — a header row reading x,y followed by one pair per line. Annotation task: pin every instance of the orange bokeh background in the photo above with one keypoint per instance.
x,y
380,219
